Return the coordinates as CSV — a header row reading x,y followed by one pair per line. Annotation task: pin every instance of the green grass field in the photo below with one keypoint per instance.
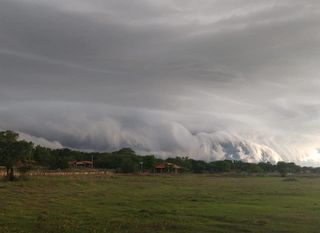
x,y
187,203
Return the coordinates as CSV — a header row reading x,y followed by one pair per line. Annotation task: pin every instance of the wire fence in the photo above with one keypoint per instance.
x,y
59,173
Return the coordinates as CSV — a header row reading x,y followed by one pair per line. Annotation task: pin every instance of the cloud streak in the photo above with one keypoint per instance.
x,y
211,79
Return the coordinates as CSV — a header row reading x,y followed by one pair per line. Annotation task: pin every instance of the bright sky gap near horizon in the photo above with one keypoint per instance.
x,y
211,79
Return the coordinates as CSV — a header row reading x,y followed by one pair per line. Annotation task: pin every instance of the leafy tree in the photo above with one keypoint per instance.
x,y
125,151
148,161
129,166
43,156
282,168
254,168
293,168
267,167
199,166
61,158
12,151
221,166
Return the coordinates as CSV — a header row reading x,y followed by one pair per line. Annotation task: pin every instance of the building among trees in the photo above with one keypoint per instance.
x,y
166,168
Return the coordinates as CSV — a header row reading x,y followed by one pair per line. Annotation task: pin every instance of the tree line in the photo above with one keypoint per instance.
x,y
29,156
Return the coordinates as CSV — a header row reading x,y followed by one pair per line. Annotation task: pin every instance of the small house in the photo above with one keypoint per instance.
x,y
166,168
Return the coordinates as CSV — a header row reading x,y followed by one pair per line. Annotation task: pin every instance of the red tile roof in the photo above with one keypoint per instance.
x,y
160,165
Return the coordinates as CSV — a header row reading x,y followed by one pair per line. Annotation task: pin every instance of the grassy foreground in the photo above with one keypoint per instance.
x,y
147,204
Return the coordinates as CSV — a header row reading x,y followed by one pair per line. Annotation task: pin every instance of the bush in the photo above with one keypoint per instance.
x,y
128,166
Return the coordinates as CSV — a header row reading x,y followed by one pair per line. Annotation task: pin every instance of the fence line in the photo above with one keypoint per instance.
x,y
60,173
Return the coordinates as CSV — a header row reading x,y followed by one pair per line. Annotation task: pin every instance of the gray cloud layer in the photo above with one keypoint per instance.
x,y
208,78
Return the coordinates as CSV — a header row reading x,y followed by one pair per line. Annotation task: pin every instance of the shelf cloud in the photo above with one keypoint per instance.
x,y
211,79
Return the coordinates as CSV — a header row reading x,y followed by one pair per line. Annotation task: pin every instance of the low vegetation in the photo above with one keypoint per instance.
x,y
159,203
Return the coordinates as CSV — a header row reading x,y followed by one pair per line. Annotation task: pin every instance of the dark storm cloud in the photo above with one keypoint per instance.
x,y
212,79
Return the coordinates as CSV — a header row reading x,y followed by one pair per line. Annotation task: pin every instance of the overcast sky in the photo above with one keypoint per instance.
x,y
211,79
